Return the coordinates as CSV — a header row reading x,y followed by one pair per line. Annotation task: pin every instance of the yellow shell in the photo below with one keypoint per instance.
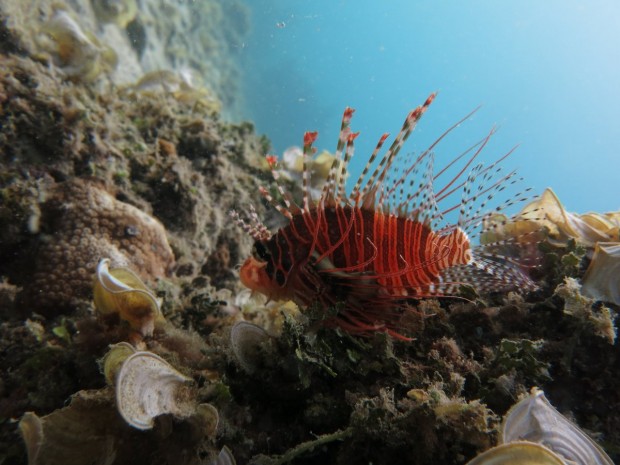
x,y
517,453
113,360
120,291
322,163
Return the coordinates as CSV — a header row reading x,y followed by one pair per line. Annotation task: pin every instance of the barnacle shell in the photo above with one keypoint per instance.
x,y
206,418
517,453
119,290
602,279
248,342
225,457
534,419
78,55
547,211
113,360
31,429
147,386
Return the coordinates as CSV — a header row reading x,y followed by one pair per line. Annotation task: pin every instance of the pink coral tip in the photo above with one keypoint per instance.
x,y
310,137
272,160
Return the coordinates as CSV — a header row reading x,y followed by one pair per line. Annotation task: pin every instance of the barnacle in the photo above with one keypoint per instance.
x,y
78,54
534,419
225,457
113,360
269,315
119,290
535,433
518,453
120,12
147,386
602,279
248,342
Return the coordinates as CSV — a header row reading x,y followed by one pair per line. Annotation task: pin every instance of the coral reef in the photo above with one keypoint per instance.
x,y
87,224
143,172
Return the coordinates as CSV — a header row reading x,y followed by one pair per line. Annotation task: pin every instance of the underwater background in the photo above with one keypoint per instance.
x,y
545,73
150,312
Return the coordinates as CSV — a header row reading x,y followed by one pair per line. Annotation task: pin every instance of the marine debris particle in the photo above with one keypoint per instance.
x,y
89,224
387,242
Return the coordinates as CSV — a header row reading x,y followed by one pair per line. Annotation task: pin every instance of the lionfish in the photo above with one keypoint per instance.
x,y
372,253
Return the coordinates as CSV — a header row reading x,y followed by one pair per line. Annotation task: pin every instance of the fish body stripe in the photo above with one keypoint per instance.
x,y
406,250
388,240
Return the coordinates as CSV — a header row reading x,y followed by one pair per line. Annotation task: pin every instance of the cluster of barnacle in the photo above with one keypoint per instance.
x,y
183,85
533,432
141,384
598,233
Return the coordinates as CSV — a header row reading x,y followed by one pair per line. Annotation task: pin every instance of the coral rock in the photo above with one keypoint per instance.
x,y
89,224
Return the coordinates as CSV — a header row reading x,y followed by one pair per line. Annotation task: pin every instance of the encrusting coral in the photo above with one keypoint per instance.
x,y
90,224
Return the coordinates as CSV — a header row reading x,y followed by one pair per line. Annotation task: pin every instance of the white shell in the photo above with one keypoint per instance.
x,y
602,280
534,419
246,340
147,386
225,457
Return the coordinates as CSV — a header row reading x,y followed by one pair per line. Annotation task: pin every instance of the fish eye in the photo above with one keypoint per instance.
x,y
261,251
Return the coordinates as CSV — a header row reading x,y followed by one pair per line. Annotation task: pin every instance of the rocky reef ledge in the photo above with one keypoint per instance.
x,y
125,335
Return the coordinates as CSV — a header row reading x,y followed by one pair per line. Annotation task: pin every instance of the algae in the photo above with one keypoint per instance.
x,y
318,394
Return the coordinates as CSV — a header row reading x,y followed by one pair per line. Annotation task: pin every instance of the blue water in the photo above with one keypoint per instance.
x,y
546,72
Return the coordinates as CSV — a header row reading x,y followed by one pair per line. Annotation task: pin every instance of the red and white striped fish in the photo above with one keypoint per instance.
x,y
387,243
